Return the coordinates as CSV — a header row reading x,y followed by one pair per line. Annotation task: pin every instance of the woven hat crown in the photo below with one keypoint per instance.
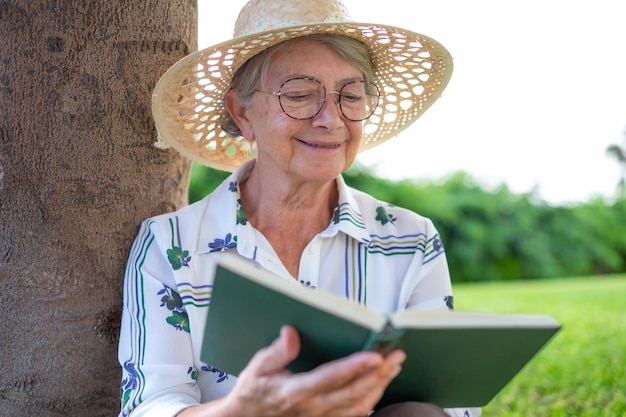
x,y
262,15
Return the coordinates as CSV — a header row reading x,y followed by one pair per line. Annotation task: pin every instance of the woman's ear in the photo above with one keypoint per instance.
x,y
238,112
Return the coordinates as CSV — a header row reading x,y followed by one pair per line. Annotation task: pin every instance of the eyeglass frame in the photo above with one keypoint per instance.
x,y
323,100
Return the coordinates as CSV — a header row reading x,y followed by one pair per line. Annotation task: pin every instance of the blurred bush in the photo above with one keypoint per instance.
x,y
495,234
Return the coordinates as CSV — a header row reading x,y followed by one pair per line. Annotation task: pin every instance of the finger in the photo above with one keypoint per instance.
x,y
360,363
335,374
395,358
278,355
356,397
359,395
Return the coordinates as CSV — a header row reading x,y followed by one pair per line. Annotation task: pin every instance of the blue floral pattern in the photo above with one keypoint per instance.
x,y
129,383
218,245
173,302
221,375
193,373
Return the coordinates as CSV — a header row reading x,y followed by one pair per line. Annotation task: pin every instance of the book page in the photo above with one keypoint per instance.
x,y
456,319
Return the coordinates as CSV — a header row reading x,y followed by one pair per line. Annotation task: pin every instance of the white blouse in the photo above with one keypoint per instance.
x,y
385,257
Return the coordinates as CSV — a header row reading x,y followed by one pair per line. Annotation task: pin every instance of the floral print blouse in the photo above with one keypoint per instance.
x,y
385,257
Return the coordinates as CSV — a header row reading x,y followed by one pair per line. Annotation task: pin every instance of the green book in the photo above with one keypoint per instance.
x,y
454,359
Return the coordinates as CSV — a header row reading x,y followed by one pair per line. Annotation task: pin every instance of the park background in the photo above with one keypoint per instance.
x,y
536,99
537,94
521,162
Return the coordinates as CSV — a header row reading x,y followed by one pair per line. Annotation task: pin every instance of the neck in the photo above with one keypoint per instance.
x,y
275,204
289,215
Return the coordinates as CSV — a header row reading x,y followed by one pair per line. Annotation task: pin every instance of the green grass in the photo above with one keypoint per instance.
x,y
582,371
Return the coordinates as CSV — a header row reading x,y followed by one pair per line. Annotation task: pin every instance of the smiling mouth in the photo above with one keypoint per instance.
x,y
321,146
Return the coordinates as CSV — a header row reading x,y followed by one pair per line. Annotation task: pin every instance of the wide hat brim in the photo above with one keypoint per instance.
x,y
411,70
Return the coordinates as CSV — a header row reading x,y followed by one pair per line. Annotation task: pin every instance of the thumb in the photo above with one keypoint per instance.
x,y
278,355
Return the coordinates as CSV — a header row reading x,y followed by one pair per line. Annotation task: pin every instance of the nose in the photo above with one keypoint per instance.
x,y
330,114
337,95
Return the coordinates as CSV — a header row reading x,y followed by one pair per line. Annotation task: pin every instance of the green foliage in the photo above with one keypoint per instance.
x,y
619,153
494,234
203,181
498,235
582,371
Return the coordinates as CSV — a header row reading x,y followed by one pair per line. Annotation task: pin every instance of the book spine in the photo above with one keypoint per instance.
x,y
384,341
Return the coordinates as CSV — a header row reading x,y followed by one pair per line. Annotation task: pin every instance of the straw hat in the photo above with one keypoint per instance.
x,y
410,69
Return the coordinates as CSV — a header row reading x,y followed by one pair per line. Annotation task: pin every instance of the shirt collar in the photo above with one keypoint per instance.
x,y
219,222
348,217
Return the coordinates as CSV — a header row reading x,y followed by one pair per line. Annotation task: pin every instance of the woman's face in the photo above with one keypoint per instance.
x,y
319,148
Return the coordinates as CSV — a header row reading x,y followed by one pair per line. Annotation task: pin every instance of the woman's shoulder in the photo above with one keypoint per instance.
x,y
189,213
192,215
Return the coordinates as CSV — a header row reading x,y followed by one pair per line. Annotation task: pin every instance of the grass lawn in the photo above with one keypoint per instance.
x,y
582,371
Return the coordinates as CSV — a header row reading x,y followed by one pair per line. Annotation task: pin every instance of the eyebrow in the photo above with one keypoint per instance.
x,y
341,82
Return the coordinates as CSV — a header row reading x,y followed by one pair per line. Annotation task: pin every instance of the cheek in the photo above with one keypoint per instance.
x,y
356,137
273,130
263,115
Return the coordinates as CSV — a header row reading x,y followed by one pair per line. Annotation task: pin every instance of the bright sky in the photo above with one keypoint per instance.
x,y
537,95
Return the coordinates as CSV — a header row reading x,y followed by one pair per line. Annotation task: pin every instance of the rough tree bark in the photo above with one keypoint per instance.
x,y
78,172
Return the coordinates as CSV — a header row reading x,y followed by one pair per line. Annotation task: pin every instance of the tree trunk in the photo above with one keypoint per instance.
x,y
78,173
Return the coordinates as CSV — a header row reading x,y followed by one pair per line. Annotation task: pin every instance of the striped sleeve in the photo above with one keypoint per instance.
x,y
155,347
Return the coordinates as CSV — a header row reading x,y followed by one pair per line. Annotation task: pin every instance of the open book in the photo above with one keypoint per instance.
x,y
454,359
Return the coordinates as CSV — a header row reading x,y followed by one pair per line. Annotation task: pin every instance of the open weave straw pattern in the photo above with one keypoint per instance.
x,y
411,71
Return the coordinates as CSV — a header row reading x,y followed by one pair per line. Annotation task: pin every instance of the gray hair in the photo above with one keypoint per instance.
x,y
255,70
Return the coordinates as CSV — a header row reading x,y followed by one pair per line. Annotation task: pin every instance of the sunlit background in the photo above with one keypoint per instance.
x,y
538,92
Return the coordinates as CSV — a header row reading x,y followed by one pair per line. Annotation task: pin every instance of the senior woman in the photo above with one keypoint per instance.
x,y
286,105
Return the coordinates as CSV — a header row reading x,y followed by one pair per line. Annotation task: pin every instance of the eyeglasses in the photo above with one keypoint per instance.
x,y
302,98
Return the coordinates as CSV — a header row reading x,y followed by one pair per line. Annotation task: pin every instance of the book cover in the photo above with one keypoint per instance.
x,y
454,359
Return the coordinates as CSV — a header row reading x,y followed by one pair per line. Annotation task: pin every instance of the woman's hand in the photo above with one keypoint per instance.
x,y
346,387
